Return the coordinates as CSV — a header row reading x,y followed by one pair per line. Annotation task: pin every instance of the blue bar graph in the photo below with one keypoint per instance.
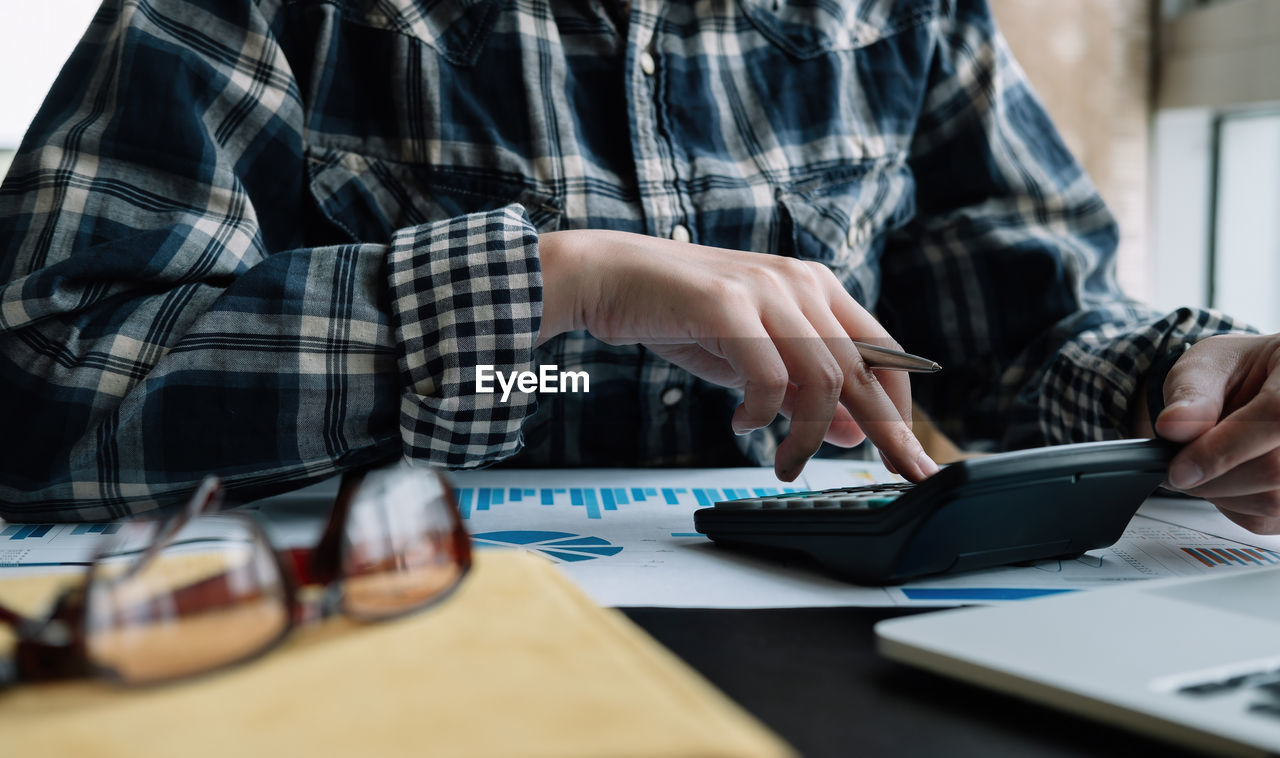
x,y
26,531
1263,555
103,528
1228,556
594,501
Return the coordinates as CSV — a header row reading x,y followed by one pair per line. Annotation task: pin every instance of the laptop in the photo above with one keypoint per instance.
x,y
1193,661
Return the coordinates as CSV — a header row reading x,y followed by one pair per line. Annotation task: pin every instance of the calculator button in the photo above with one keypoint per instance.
x,y
853,504
880,502
1271,687
740,505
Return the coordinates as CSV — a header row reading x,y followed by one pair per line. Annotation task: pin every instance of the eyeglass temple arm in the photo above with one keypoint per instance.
x,y
207,497
306,566
52,648
13,618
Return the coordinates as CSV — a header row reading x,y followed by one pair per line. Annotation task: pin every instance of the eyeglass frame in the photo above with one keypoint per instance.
x,y
55,648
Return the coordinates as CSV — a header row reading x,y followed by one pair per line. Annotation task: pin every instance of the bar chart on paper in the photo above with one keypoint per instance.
x,y
586,504
1233,556
627,537
50,545
597,502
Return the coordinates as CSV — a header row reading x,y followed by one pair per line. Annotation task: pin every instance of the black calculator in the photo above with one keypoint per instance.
x,y
1027,505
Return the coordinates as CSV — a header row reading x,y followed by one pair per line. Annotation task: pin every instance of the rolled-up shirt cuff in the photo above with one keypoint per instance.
x,y
465,292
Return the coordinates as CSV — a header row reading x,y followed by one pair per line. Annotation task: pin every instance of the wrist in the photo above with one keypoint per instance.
x,y
559,256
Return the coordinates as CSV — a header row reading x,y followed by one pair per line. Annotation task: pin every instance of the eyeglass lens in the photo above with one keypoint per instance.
x,y
212,596
215,593
402,547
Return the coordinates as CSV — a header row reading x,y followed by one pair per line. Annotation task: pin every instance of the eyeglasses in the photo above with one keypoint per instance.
x,y
204,589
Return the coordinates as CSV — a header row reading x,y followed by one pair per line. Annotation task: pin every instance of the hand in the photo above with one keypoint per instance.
x,y
778,328
1222,397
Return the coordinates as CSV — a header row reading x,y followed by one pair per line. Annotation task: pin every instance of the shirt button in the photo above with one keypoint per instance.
x,y
647,63
680,233
672,395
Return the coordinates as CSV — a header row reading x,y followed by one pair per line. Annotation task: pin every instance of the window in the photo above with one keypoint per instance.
x,y
1217,158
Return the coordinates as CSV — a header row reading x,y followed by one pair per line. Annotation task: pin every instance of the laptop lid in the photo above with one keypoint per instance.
x,y
1194,661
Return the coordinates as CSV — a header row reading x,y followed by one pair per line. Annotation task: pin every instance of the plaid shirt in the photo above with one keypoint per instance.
x,y
273,239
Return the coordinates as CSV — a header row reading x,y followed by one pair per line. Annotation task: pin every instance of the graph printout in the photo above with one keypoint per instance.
x,y
626,536
50,546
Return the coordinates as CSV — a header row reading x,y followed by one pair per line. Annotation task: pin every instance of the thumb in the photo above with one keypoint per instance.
x,y
1194,393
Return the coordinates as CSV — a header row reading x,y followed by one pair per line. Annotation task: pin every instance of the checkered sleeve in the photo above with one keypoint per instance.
x,y
173,304
1006,276
464,293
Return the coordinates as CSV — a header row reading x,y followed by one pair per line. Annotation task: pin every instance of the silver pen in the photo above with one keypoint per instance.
x,y
894,360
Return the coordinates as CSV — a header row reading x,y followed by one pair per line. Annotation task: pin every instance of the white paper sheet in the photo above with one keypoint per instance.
x,y
646,553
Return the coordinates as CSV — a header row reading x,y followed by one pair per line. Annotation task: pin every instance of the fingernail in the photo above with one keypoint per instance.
x,y
926,464
1184,475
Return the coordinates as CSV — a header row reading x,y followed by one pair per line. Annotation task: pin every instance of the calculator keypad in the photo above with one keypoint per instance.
x,y
868,497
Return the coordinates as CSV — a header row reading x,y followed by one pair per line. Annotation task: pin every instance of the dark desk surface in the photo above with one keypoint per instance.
x,y
814,677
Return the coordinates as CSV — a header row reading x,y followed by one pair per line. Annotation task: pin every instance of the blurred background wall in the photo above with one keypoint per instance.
x,y
1090,61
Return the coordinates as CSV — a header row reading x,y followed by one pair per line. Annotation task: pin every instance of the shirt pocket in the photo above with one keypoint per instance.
x,y
841,218
455,29
809,29
370,198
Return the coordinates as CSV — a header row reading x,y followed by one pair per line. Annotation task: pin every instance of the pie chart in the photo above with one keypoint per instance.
x,y
560,546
